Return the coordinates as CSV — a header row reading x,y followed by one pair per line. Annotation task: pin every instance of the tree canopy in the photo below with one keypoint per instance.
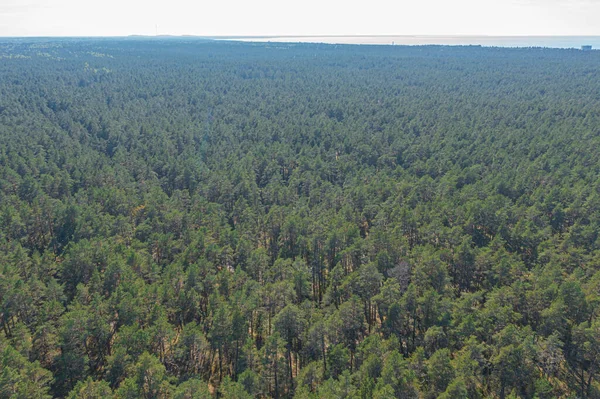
x,y
185,218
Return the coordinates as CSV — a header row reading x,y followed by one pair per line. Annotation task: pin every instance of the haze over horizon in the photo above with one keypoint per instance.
x,y
310,17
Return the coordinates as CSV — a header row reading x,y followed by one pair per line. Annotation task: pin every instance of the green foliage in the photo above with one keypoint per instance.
x,y
20,378
187,218
90,389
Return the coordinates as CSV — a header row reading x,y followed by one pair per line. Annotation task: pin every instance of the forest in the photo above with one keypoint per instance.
x,y
195,219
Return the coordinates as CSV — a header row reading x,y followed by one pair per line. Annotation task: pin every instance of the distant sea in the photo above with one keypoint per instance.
x,y
490,41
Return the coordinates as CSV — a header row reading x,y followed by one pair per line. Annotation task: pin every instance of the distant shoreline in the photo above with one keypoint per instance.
x,y
539,41
416,40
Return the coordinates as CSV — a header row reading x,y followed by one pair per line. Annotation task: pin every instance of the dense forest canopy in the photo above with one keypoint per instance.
x,y
182,218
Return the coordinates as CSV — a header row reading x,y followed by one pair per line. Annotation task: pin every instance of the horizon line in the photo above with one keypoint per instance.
x,y
292,36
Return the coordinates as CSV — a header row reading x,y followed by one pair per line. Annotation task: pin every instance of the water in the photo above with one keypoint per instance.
x,y
492,41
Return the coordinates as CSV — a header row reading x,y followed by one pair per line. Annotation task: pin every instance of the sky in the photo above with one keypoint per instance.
x,y
298,17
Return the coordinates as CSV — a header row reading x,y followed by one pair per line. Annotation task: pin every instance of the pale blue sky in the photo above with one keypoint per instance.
x,y
299,17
